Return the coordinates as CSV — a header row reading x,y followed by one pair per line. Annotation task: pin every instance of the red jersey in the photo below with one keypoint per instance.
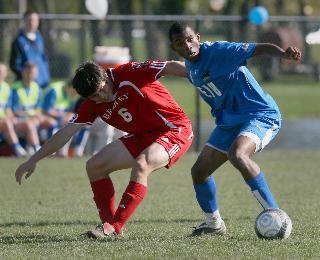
x,y
140,103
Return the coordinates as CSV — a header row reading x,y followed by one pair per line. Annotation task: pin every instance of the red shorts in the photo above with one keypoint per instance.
x,y
176,141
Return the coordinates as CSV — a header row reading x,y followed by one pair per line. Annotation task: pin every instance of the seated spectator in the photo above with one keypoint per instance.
x,y
27,101
9,127
59,101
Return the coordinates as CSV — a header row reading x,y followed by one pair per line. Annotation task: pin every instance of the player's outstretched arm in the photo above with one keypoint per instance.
x,y
52,145
291,53
174,68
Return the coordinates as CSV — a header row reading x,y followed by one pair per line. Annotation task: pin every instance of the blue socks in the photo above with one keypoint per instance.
x,y
207,199
206,195
261,191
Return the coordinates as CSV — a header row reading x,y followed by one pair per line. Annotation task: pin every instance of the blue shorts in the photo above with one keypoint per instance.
x,y
260,130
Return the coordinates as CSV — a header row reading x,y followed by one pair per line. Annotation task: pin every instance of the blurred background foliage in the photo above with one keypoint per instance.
x,y
191,7
70,41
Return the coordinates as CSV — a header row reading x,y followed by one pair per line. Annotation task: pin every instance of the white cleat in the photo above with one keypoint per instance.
x,y
210,228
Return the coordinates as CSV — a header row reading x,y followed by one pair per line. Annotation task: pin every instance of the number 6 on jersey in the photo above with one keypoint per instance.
x,y
123,112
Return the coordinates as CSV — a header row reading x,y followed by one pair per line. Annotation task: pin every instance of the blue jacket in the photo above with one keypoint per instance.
x,y
24,50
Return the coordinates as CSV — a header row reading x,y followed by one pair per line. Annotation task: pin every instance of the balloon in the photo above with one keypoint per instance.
x,y
98,8
258,15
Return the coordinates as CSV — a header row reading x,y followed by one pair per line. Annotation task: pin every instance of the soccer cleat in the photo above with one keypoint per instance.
x,y
205,228
102,231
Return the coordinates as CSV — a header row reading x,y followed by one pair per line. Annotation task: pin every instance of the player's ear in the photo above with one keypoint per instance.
x,y
198,36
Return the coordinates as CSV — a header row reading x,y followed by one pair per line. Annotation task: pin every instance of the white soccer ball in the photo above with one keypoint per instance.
x,y
273,224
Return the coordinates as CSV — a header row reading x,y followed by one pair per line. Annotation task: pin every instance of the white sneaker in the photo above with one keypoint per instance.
x,y
210,228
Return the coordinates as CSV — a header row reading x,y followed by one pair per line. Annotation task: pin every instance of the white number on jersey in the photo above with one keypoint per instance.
x,y
123,112
210,90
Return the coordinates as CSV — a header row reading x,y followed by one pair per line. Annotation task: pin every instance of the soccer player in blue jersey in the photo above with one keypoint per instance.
x,y
247,118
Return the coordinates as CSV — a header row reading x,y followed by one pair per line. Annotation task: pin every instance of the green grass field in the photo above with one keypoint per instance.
x,y
45,216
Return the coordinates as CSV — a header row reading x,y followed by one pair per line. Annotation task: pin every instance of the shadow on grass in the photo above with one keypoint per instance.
x,y
43,239
179,220
36,239
27,238
91,223
47,223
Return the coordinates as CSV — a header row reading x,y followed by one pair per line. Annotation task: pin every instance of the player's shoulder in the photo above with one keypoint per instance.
x,y
148,64
136,68
130,66
215,44
87,107
215,47
222,44
140,65
86,103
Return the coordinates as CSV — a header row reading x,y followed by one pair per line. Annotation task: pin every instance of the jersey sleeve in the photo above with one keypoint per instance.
x,y
85,113
230,55
140,72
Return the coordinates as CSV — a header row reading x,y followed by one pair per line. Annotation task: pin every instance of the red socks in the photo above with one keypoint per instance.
x,y
131,199
104,197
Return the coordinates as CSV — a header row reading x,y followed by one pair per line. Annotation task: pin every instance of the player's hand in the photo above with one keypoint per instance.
x,y
292,53
25,169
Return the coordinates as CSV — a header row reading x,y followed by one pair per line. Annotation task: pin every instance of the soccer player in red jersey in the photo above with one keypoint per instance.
x,y
130,98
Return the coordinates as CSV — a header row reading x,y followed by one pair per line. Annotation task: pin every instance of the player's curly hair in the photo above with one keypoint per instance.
x,y
87,78
177,28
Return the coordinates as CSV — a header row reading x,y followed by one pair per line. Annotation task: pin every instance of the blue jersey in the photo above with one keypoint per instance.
x,y
24,50
225,83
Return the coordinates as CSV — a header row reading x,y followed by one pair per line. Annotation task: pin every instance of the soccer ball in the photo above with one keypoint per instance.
x,y
273,224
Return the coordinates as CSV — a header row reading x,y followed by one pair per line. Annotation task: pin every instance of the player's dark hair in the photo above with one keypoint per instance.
x,y
177,28
87,78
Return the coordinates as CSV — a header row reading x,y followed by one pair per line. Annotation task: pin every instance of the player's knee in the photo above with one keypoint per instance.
x,y
95,167
141,166
141,169
238,157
